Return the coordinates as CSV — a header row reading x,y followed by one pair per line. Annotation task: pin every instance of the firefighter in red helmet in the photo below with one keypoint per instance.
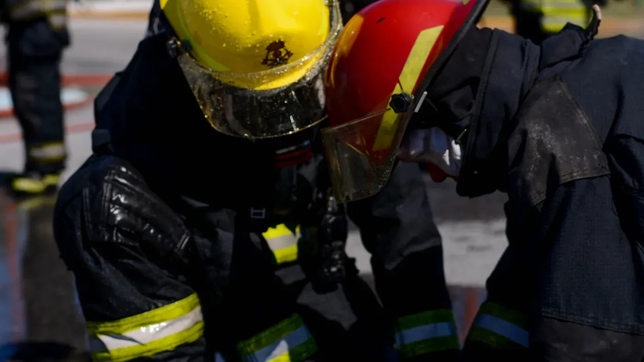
x,y
557,126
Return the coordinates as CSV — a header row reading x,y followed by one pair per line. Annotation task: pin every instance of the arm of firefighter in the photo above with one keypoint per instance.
x,y
626,160
126,250
397,228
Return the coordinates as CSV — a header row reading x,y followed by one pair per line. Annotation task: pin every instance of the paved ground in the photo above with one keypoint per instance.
x,y
37,300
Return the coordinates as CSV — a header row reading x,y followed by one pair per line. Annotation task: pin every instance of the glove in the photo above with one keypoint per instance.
x,y
321,249
435,147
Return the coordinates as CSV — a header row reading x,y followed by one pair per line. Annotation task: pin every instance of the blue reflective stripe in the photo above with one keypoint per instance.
x,y
280,347
425,332
504,328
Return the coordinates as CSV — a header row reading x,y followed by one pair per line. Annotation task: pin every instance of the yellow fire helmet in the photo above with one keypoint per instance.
x,y
256,67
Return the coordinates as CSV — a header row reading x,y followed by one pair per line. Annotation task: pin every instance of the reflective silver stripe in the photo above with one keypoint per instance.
x,y
49,151
31,8
145,335
504,328
550,20
281,347
282,242
421,333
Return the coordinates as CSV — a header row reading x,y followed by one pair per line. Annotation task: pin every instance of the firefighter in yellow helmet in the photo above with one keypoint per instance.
x,y
208,182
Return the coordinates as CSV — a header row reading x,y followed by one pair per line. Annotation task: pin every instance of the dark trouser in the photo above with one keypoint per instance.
x,y
35,85
528,25
552,340
507,328
347,324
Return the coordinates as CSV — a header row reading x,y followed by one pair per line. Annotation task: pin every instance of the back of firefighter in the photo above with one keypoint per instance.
x,y
221,244
36,37
556,126
538,19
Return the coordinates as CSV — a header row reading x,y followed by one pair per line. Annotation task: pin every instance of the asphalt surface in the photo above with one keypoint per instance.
x,y
39,313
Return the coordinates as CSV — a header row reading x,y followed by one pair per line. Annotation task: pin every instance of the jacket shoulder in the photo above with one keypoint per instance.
x,y
541,154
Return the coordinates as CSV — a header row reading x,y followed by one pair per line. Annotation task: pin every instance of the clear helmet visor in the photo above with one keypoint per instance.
x,y
362,154
277,102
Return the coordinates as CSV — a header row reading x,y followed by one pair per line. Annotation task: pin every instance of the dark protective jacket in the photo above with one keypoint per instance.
x,y
167,217
559,128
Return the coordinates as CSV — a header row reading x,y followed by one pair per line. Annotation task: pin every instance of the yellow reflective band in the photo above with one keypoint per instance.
x,y
427,332
27,10
32,185
499,328
28,185
32,203
51,179
287,341
149,333
283,243
407,81
554,21
286,255
279,230
47,152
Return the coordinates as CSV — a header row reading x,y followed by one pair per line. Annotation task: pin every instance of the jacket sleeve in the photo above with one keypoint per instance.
x,y
626,160
127,251
396,227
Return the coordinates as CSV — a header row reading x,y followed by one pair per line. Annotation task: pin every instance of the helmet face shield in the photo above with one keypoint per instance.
x,y
277,102
385,59
361,154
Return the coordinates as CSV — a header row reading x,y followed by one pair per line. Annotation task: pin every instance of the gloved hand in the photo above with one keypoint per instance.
x,y
321,248
435,147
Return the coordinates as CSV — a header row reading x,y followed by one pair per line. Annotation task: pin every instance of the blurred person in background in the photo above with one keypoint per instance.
x,y
557,126
36,37
539,19
204,220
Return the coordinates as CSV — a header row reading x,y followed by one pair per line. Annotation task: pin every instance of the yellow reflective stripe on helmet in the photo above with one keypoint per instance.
x,y
499,327
287,341
427,332
407,81
147,334
283,243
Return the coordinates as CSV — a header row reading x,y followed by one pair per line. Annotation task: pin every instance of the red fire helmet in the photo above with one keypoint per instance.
x,y
382,63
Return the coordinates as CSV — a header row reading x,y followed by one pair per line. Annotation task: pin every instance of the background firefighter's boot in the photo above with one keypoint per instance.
x,y
34,183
